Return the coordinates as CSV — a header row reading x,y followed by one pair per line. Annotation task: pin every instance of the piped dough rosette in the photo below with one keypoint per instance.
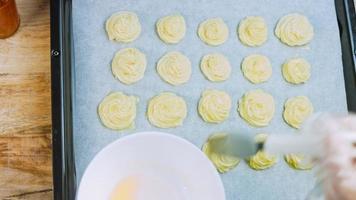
x,y
215,67
256,68
123,26
294,30
171,29
214,106
298,161
261,160
213,31
129,65
117,111
257,108
253,31
166,110
296,71
297,110
222,162
174,68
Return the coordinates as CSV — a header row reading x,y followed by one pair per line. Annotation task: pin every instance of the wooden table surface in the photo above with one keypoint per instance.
x,y
25,106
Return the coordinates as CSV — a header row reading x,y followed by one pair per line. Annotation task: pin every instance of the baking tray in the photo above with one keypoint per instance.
x,y
63,90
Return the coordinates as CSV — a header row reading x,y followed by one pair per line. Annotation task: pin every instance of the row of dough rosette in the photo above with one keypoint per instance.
x,y
293,29
167,110
129,66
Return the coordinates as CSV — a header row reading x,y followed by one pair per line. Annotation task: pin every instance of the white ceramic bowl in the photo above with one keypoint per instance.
x,y
173,166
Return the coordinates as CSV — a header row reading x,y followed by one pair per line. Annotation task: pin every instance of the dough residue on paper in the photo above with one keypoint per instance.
x,y
222,162
167,110
213,31
298,161
297,110
171,29
214,106
129,65
256,68
257,108
261,160
215,67
174,68
296,71
117,111
123,26
294,30
253,31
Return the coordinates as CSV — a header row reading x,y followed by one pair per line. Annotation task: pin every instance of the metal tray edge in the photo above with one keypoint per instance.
x,y
64,180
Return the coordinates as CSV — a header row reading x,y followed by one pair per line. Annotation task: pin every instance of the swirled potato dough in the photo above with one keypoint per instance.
x,y
296,71
256,68
171,29
297,110
298,161
214,106
167,110
294,30
253,31
257,108
123,27
222,162
215,67
129,65
213,31
261,160
174,68
117,111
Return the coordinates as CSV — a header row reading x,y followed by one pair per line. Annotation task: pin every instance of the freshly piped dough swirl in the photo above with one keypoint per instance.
x,y
294,30
123,26
261,160
174,68
214,106
256,68
129,65
171,29
253,31
117,111
215,67
257,108
223,163
213,31
297,110
167,110
298,161
296,71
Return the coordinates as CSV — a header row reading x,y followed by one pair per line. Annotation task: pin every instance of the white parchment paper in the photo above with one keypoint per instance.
x,y
94,80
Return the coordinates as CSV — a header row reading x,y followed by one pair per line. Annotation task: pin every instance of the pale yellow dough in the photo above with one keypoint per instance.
x,y
297,110
257,108
214,106
261,160
129,65
256,68
298,161
296,71
123,27
174,68
294,30
167,110
215,67
223,163
213,31
171,29
253,31
117,111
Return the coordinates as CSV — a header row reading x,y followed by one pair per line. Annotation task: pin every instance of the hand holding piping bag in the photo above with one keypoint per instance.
x,y
338,160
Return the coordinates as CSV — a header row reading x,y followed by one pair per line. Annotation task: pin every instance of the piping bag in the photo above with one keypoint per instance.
x,y
308,141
